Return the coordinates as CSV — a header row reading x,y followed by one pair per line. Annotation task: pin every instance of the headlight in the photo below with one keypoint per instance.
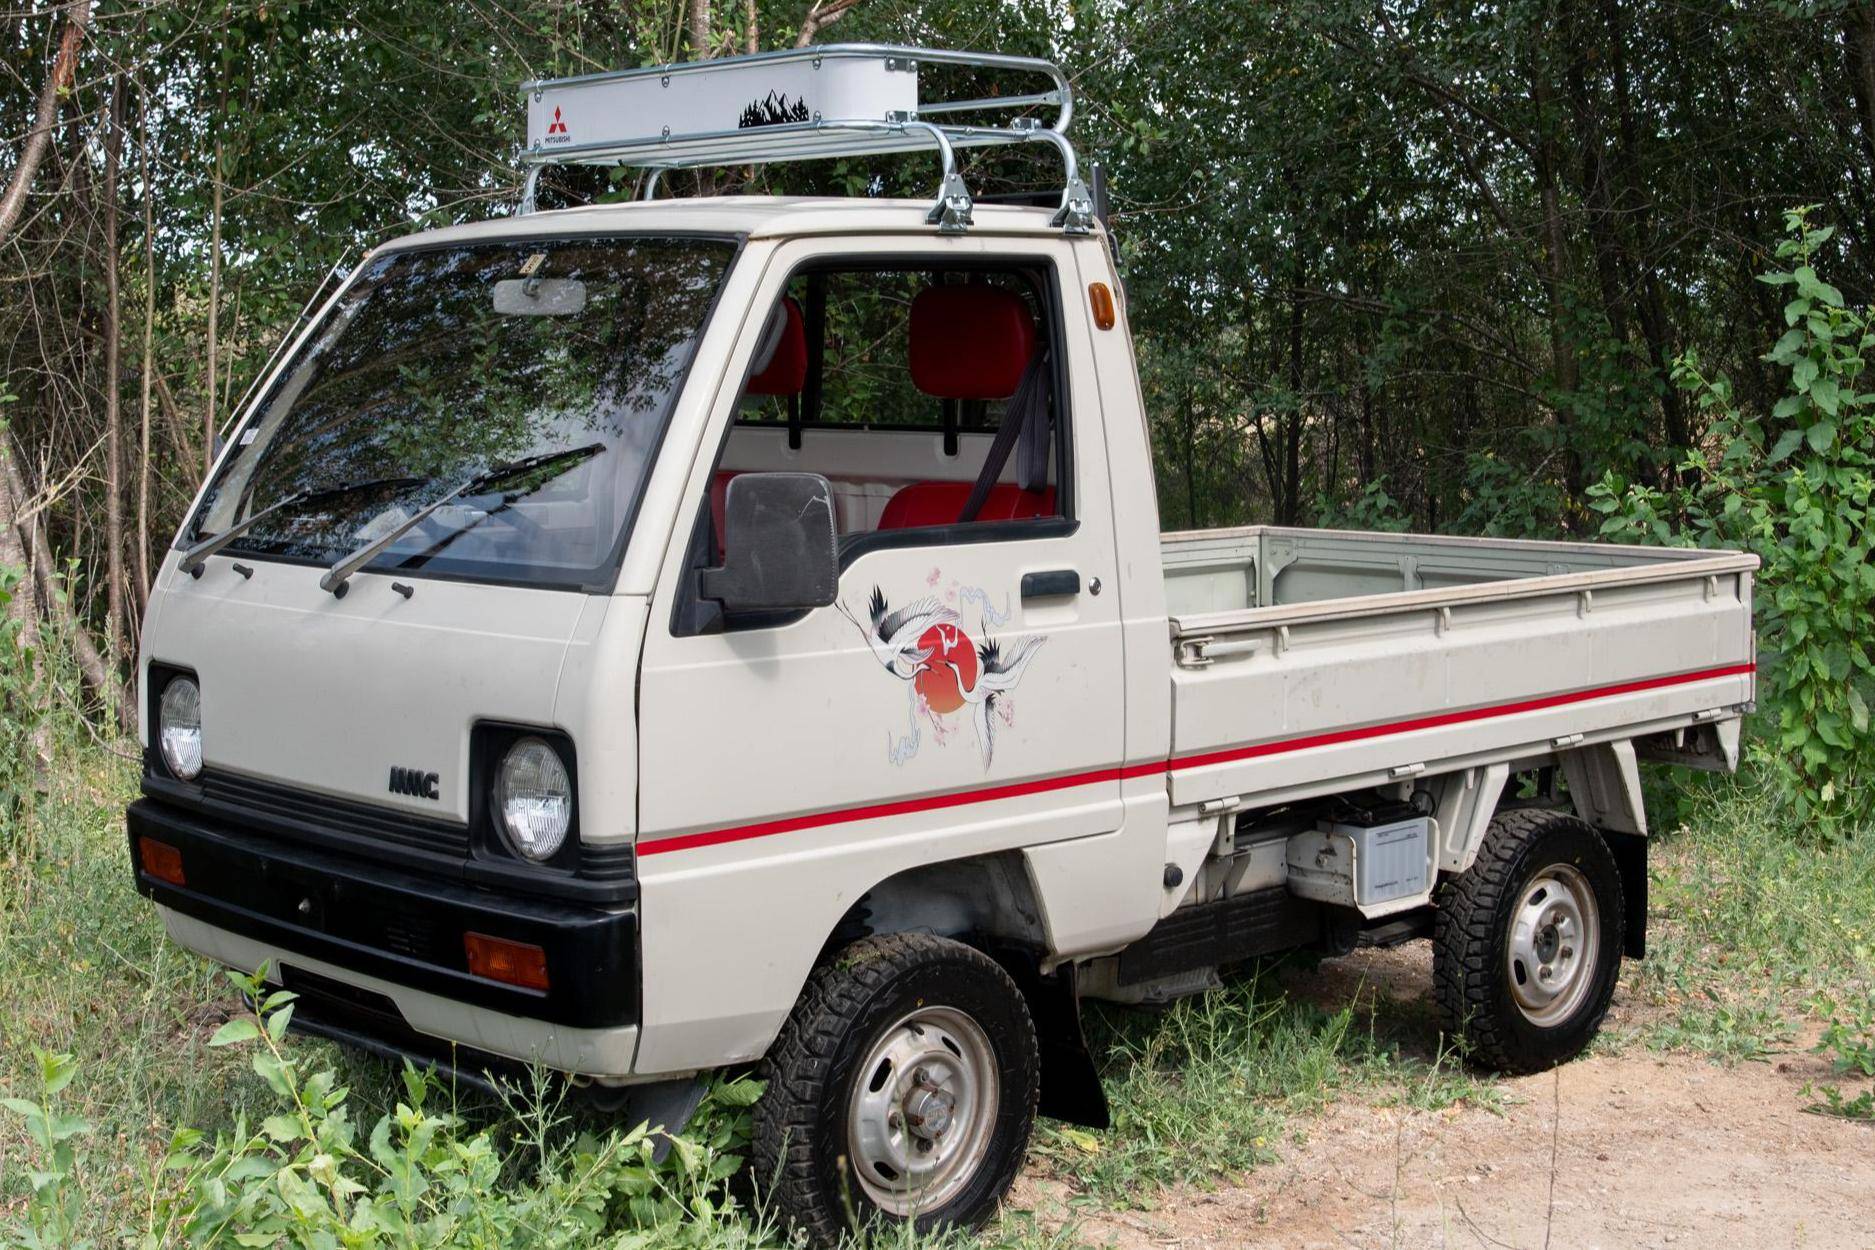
x,y
533,799
179,728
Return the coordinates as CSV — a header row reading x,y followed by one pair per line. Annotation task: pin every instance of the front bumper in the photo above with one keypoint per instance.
x,y
394,928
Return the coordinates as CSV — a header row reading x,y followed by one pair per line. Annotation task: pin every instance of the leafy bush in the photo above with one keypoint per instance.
x,y
1793,486
303,1176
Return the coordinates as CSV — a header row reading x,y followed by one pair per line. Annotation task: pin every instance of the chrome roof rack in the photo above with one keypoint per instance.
x,y
847,99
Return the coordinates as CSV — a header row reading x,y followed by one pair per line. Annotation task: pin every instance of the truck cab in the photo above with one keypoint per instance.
x,y
649,638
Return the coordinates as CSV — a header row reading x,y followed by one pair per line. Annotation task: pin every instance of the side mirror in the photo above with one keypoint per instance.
x,y
780,551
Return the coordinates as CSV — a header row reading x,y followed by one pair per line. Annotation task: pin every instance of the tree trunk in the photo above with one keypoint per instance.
x,y
699,29
116,615
24,606
820,15
45,573
149,352
45,116
1292,420
752,36
214,310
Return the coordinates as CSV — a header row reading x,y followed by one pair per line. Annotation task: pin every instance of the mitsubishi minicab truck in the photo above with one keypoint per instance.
x,y
649,638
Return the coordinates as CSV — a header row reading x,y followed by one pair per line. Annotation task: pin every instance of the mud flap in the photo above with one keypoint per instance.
x,y
1071,1089
1630,852
666,1106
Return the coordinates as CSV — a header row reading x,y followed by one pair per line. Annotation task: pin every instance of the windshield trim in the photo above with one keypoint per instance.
x,y
606,574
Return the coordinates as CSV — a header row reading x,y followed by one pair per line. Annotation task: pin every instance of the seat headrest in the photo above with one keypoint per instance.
x,y
781,360
970,342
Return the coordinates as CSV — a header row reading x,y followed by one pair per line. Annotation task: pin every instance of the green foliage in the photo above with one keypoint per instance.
x,y
52,1211
304,1175
1372,509
1849,1040
1794,486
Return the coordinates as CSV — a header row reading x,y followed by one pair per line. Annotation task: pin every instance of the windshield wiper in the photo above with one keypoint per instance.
x,y
195,557
336,576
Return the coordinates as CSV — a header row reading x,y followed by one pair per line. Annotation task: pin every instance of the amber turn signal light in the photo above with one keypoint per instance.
x,y
1100,298
161,860
513,963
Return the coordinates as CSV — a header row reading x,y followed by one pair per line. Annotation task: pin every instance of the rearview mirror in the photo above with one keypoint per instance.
x,y
540,297
780,552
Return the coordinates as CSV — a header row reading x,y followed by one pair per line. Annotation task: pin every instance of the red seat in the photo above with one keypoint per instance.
x,y
970,342
941,503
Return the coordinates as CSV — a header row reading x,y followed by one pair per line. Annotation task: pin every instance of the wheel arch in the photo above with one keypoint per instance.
x,y
990,902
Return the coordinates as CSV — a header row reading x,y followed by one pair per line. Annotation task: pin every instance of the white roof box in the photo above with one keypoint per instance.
x,y
805,104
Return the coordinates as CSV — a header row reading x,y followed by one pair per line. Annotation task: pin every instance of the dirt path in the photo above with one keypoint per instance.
x,y
1632,1150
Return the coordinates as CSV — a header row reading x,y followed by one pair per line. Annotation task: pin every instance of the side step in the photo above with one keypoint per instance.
x,y
1257,922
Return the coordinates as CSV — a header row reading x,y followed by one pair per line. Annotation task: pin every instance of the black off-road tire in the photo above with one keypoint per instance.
x,y
1472,933
800,1154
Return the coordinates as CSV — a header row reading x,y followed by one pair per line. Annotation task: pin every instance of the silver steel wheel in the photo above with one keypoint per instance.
x,y
923,1110
1555,939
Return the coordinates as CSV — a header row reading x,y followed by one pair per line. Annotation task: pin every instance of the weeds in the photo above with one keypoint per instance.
x,y
303,1175
1849,1041
1211,1085
1752,923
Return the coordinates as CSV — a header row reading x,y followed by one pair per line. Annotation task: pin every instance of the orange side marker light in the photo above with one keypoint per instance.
x,y
1101,300
161,860
513,963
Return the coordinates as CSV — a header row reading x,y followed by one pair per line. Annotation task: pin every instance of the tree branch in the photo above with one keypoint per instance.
x,y
46,117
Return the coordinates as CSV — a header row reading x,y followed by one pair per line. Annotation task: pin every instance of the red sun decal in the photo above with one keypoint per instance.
x,y
953,656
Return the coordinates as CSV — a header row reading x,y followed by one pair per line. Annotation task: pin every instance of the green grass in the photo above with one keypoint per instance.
x,y
1213,1085
1755,925
1757,929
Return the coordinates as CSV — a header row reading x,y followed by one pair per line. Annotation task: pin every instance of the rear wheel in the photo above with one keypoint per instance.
x,y
1527,944
903,1087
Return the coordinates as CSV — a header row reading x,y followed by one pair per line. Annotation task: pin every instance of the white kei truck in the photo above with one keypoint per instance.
x,y
649,638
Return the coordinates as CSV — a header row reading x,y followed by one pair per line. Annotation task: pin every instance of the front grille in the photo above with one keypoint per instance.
x,y
270,800
599,873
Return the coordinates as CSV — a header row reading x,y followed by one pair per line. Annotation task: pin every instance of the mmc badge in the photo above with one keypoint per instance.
x,y
414,782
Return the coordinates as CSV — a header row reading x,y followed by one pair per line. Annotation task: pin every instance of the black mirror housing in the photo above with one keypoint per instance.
x,y
781,552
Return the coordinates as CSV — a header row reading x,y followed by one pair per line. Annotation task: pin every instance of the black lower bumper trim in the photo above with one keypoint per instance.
x,y
398,926
371,1023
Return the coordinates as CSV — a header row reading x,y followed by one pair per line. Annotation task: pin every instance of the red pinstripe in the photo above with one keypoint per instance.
x,y
1068,781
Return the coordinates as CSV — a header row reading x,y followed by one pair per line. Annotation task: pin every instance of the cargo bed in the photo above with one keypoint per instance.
x,y
1313,661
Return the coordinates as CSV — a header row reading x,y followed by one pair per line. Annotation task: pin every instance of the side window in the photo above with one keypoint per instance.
x,y
931,401
928,399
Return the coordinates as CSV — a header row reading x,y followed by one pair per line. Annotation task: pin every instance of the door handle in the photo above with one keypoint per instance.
x,y
1055,583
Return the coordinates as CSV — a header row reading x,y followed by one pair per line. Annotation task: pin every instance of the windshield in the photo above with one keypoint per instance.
x,y
516,391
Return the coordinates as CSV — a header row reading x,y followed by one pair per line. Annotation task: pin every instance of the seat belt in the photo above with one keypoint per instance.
x,y
1029,403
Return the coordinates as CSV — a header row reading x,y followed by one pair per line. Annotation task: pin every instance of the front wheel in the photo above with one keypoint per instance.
x,y
902,1087
1527,944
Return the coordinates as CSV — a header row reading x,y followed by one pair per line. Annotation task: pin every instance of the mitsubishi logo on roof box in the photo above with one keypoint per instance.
x,y
556,129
